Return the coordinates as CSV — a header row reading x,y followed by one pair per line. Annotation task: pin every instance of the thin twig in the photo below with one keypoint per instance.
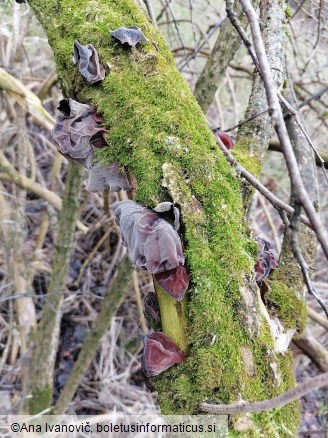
x,y
315,316
315,96
313,349
137,293
279,126
151,12
276,202
294,113
249,119
294,227
266,405
239,28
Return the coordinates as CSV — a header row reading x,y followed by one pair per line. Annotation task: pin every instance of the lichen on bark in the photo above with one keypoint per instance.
x,y
156,129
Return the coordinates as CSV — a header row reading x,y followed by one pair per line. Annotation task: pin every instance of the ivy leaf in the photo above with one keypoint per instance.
x,y
152,242
160,353
131,35
111,176
87,59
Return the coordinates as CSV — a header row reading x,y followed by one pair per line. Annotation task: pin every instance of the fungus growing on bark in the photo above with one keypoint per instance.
x,y
87,59
153,245
175,282
77,133
160,353
227,140
131,35
77,130
268,260
111,176
152,307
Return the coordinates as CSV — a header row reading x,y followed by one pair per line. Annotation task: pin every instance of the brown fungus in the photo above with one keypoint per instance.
x,y
175,282
160,353
111,176
78,132
152,242
88,61
228,140
267,260
130,35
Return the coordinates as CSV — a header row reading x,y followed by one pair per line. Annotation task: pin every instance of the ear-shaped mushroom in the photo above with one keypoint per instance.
x,y
77,131
160,353
152,242
111,176
268,260
227,140
87,58
131,35
175,282
152,307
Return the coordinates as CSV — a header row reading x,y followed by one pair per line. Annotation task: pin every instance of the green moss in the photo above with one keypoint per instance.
x,y
152,120
290,309
288,12
40,399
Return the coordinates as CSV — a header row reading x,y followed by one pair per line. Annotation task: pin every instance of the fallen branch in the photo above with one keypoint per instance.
x,y
266,405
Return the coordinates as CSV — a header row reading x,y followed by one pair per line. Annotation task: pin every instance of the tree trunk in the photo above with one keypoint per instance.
x,y
157,130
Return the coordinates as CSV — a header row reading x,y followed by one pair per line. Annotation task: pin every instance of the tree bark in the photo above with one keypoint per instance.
x,y
157,130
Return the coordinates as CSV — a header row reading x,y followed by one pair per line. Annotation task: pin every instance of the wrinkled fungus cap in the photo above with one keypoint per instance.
x,y
152,242
88,61
175,282
160,353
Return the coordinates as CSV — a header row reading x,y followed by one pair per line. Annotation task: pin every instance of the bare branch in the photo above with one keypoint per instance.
x,y
266,405
279,125
276,202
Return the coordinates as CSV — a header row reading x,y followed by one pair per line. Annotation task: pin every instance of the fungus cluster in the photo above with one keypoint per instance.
x,y
78,133
267,260
153,244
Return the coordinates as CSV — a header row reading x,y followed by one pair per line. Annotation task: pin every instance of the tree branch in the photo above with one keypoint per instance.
x,y
266,405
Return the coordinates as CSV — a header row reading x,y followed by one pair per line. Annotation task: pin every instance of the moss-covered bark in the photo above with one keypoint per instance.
x,y
157,130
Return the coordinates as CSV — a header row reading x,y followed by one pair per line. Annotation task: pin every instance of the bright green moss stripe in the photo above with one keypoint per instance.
x,y
152,119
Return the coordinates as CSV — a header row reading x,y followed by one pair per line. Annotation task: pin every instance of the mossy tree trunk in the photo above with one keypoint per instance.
x,y
157,130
